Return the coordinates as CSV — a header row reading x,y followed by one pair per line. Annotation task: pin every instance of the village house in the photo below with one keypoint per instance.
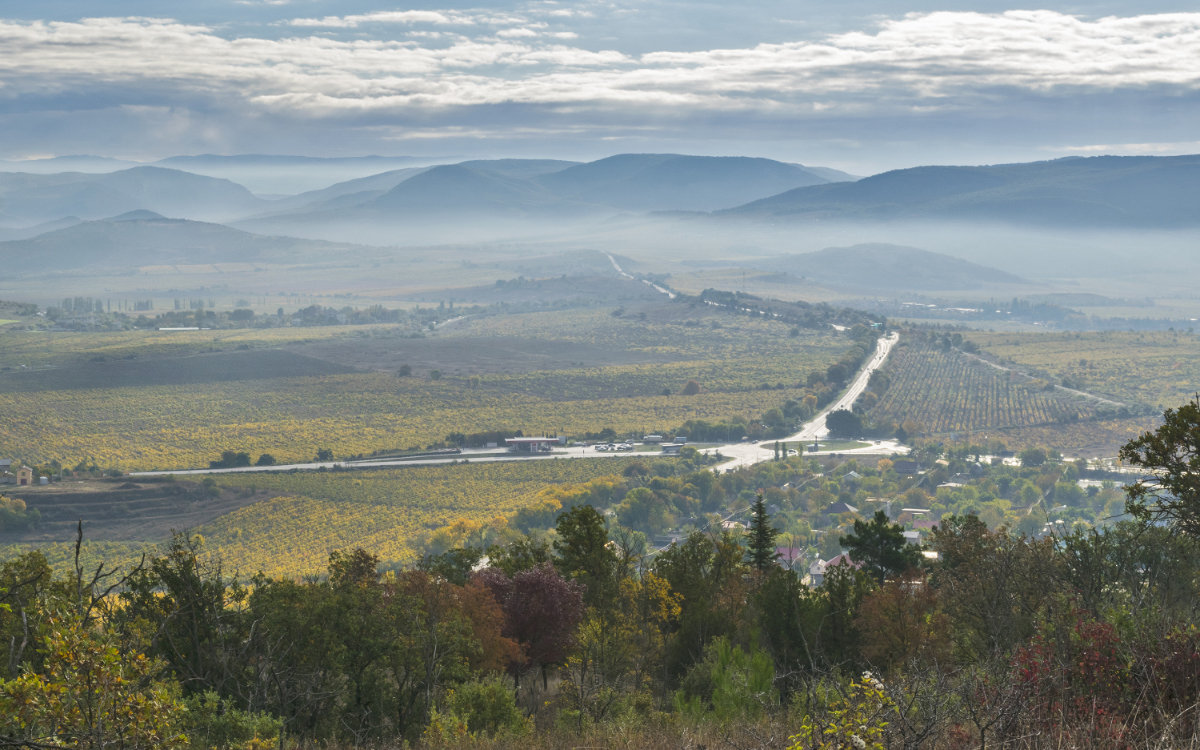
x,y
818,570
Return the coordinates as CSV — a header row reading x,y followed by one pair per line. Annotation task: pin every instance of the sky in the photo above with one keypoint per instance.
x,y
859,85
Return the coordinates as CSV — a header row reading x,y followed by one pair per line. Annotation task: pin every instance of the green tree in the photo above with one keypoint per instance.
x,y
709,574
24,583
523,553
844,423
582,553
729,682
880,548
483,707
760,538
454,565
992,584
644,510
191,615
1172,453
1033,456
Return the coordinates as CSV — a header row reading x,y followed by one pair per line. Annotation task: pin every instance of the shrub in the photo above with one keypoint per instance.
x,y
213,722
481,708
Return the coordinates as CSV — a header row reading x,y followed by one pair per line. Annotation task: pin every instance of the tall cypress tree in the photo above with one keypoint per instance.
x,y
760,538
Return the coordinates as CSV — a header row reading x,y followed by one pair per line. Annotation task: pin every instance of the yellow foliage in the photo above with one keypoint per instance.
x,y
857,722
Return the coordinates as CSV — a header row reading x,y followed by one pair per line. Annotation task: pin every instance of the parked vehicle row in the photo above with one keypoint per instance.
x,y
614,446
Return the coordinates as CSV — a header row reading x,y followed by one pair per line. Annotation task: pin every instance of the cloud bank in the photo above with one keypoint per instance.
x,y
420,73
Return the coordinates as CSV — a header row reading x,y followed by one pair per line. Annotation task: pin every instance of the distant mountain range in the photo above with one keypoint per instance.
x,y
515,188
75,163
879,266
434,202
1132,191
671,182
142,238
273,176
27,198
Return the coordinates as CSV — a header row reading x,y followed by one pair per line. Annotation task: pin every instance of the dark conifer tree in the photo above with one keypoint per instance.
x,y
760,538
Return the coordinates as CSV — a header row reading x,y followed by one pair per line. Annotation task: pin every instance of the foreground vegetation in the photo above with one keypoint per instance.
x,y
1087,640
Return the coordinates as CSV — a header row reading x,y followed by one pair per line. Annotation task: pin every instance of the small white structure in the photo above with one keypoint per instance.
x,y
532,444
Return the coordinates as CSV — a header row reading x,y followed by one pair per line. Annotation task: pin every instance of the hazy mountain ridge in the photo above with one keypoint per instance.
x,y
29,198
517,189
454,188
348,193
671,182
1102,190
518,198
141,238
67,163
273,176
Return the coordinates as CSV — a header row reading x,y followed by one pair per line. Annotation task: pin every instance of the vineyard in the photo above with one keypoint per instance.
x,y
940,391
177,412
291,418
1155,368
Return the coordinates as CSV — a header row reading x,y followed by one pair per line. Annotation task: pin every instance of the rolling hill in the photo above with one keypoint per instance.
x,y
364,190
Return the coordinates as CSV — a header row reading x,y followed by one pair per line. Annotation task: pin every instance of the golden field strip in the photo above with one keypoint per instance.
x,y
386,511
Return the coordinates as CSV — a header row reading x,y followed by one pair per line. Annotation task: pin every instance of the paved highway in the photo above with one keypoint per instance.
x,y
746,454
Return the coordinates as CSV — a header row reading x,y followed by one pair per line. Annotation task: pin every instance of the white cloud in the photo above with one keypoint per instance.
x,y
518,32
1149,149
435,17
